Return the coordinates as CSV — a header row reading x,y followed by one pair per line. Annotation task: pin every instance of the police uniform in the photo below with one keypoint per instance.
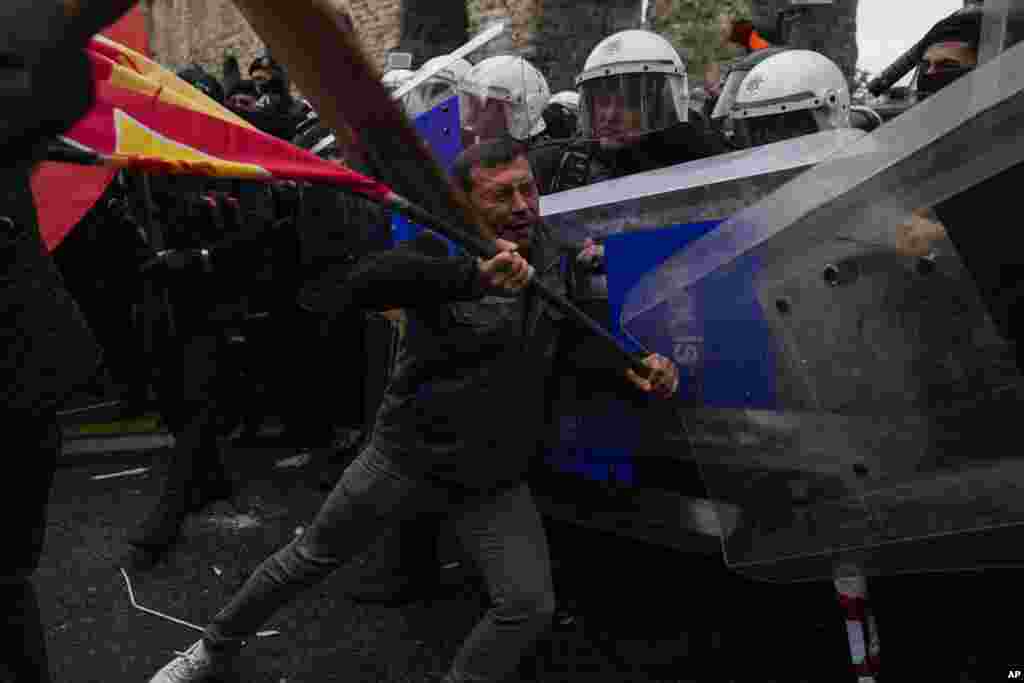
x,y
645,74
565,166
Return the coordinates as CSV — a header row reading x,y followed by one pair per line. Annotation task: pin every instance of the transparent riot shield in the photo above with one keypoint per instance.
x,y
706,189
476,43
627,462
850,396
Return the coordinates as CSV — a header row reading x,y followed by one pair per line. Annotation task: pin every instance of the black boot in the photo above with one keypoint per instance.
x,y
22,639
162,526
210,485
404,568
158,533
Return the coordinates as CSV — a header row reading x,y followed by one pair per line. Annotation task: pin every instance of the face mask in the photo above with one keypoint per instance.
x,y
272,87
929,84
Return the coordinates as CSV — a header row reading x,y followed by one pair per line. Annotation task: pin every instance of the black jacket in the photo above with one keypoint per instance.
x,y
45,86
465,405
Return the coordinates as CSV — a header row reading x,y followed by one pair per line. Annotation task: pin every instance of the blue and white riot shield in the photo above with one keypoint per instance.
x,y
870,398
604,434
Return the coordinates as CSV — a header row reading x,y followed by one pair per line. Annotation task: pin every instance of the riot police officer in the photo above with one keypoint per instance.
x,y
562,114
394,78
274,110
777,93
634,115
439,88
502,96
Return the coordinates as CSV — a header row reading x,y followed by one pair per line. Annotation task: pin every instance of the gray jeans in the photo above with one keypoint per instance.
x,y
502,531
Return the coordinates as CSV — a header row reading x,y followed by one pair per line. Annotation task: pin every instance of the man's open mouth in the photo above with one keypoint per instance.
x,y
517,229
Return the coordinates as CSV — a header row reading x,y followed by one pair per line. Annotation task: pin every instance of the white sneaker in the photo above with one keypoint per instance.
x,y
198,663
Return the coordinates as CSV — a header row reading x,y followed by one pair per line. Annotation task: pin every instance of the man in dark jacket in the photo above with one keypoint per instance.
x,y
457,428
45,86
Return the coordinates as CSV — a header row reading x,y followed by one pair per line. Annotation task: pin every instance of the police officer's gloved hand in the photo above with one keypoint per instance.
x,y
177,260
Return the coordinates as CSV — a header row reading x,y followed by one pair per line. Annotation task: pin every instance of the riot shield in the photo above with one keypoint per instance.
x,y
850,397
627,462
706,189
478,41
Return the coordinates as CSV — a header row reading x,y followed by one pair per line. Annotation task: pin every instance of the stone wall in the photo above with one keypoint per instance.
x,y
830,30
567,30
185,31
202,31
556,35
378,23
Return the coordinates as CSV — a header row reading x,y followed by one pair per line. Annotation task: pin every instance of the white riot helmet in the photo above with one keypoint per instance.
x,y
394,78
634,82
570,99
440,87
783,94
500,96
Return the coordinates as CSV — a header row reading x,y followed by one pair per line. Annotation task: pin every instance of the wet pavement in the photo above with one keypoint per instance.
x,y
638,613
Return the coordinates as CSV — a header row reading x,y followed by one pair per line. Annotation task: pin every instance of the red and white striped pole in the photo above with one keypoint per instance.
x,y
861,631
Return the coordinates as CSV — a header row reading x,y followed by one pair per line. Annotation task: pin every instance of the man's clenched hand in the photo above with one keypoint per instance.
x,y
507,273
662,380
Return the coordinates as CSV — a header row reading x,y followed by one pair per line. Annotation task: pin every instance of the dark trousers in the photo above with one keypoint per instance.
x,y
190,396
503,532
22,639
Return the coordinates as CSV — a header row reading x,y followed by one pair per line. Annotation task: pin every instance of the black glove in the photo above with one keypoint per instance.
x,y
177,260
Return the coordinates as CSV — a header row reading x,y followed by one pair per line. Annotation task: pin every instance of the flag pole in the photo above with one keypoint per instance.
x,y
471,243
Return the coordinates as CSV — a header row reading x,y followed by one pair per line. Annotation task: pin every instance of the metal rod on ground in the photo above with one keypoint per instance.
x,y
131,598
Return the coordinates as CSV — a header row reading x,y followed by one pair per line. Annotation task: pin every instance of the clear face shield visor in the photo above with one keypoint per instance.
x,y
428,95
765,130
624,106
727,97
495,112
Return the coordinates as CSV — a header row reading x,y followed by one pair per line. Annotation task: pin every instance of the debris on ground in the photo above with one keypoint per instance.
x,y
123,473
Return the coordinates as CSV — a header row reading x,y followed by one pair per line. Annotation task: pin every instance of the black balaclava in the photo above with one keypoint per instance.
x,y
278,83
962,27
561,121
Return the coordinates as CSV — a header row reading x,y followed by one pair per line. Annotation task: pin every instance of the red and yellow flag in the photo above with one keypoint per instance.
x,y
64,193
147,118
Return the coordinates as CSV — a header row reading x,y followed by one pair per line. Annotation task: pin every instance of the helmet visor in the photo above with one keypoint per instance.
x,y
493,111
765,130
728,95
427,96
624,106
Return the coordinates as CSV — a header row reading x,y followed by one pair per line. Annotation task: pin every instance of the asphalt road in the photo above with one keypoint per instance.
x,y
640,614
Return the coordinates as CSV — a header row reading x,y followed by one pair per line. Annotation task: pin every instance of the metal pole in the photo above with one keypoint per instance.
x,y
1002,27
861,631
156,301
